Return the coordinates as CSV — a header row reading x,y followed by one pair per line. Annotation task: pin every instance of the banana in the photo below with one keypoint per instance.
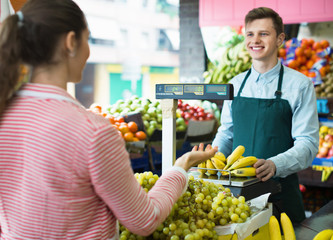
x,y
243,162
209,164
287,227
326,234
218,164
234,156
220,156
202,165
274,229
244,172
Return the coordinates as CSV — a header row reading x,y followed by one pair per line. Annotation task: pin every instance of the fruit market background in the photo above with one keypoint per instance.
x,y
137,44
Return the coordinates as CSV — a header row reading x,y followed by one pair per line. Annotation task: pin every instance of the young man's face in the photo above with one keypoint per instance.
x,y
262,41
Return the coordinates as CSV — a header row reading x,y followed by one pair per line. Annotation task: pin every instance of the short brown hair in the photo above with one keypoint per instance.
x,y
264,12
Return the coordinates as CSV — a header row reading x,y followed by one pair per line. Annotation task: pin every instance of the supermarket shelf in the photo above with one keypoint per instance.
x,y
311,177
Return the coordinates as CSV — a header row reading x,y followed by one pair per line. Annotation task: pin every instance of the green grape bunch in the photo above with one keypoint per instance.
x,y
203,206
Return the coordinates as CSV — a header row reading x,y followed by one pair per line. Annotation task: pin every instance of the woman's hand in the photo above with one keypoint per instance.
x,y
196,156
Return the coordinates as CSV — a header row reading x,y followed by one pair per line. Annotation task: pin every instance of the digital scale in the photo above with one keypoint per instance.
x,y
169,95
195,91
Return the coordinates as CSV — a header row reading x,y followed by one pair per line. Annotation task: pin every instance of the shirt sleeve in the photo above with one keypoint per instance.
x,y
305,132
114,182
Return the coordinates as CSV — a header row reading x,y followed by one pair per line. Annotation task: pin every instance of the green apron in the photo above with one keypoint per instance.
x,y
263,127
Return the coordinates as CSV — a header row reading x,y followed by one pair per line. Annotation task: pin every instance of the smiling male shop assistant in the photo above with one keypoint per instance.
x,y
273,115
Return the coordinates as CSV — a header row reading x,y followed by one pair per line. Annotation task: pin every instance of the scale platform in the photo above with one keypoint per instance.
x,y
250,187
225,180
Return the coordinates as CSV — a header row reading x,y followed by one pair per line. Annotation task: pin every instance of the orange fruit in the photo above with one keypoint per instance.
x,y
328,68
293,64
129,137
304,43
299,52
135,139
324,43
315,58
96,108
311,74
310,42
282,52
322,71
141,135
120,119
305,72
133,127
301,59
288,43
123,128
111,119
308,52
316,46
115,126
309,64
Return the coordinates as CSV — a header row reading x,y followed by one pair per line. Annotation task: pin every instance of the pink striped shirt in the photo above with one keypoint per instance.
x,y
65,173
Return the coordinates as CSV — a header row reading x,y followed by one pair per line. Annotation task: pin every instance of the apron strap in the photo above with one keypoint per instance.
x,y
278,92
243,83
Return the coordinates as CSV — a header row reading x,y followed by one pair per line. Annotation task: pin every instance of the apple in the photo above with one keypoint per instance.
x,y
210,116
330,153
323,151
150,130
328,138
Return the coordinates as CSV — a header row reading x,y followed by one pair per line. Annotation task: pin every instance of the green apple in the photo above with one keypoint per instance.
x,y
146,116
159,118
146,124
153,123
152,111
180,121
181,128
150,130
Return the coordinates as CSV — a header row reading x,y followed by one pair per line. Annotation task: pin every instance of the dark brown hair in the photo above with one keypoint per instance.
x,y
264,12
33,39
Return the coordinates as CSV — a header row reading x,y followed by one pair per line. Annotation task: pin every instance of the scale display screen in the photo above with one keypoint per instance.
x,y
194,88
194,91
216,88
173,88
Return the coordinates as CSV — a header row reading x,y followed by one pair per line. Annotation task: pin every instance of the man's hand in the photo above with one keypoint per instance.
x,y
265,169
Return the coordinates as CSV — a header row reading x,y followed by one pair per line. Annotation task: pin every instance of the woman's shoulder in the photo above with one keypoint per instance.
x,y
91,122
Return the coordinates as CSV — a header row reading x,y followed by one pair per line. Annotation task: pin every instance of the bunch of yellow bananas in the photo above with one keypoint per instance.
x,y
216,162
287,227
238,165
326,234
